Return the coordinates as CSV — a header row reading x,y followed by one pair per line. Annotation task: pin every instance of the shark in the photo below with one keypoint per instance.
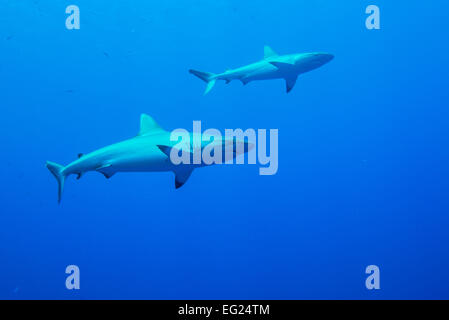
x,y
272,66
149,151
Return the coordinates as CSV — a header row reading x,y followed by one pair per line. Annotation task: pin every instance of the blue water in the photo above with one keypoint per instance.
x,y
363,151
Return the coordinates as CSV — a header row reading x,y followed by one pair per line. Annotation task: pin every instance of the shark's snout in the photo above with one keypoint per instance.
x,y
329,57
311,61
324,57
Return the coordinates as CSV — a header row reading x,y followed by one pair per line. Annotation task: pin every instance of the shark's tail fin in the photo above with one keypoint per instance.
x,y
207,77
56,170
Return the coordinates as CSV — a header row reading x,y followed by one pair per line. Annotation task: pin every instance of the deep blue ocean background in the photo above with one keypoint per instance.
x,y
363,151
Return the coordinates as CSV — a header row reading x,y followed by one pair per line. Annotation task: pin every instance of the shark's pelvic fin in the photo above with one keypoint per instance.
x,y
268,52
282,65
56,170
107,170
182,175
148,125
206,77
290,82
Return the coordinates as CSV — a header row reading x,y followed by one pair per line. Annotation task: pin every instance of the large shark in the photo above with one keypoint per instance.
x,y
149,151
272,66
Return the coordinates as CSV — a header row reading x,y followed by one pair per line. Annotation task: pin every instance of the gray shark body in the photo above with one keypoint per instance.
x,y
272,66
149,151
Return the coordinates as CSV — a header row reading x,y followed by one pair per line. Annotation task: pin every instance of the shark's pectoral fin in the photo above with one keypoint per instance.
x,y
107,170
290,82
182,175
286,67
245,81
167,150
182,172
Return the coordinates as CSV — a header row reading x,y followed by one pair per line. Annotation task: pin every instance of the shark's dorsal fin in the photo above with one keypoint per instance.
x,y
268,52
148,125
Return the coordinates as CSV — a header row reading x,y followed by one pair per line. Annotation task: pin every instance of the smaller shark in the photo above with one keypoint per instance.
x,y
272,66
149,151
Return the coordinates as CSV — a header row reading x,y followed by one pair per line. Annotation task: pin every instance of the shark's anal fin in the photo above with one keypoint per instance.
x,y
107,170
182,175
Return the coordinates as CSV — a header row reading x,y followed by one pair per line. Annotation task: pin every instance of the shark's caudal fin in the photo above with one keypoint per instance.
x,y
56,170
206,77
